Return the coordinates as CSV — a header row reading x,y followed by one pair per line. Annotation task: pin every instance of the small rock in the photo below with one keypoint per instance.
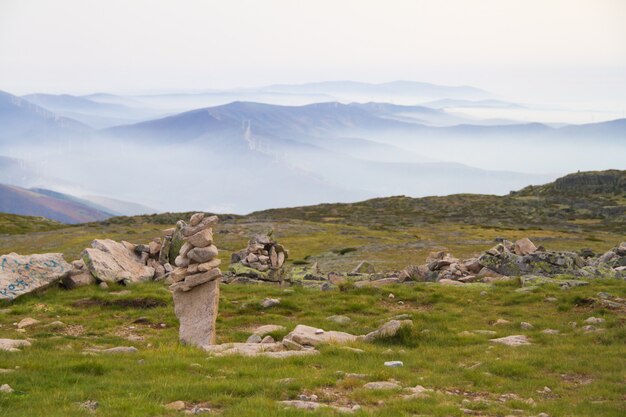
x,y
89,405
27,322
103,285
526,326
483,293
255,338
291,345
176,405
391,295
394,364
550,331
595,320
339,319
319,331
589,329
268,339
447,281
6,388
501,321
270,302
388,330
364,268
268,328
115,350
514,340
381,385
417,391
13,345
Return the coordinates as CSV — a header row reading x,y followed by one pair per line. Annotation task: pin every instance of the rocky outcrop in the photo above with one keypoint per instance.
x,y
112,261
262,259
23,274
195,281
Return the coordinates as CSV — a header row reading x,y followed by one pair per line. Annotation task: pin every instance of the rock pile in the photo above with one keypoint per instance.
x,y
517,259
195,281
262,259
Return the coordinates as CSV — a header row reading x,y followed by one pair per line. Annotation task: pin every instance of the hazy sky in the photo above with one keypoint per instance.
x,y
569,50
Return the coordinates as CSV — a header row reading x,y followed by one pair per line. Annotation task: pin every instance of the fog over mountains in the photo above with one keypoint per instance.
x,y
287,145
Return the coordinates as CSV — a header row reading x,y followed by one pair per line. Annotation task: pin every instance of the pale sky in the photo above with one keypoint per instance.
x,y
558,50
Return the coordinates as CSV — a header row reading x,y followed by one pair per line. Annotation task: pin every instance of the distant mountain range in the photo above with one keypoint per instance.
x,y
62,207
16,200
244,156
22,120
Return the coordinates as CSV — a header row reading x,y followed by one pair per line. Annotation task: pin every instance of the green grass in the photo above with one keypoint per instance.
x,y
11,224
585,372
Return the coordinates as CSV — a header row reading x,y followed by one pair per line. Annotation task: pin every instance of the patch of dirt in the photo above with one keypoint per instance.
x,y
141,303
73,330
577,379
332,396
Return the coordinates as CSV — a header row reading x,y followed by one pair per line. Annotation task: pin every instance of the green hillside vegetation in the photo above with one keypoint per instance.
x,y
11,224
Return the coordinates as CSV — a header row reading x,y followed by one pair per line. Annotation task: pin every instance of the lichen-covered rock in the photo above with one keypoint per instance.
x,y
177,240
541,263
23,274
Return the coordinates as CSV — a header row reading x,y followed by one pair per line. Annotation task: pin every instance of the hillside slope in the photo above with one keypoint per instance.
x,y
16,200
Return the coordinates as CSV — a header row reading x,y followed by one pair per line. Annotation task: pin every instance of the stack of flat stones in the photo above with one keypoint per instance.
x,y
262,259
195,282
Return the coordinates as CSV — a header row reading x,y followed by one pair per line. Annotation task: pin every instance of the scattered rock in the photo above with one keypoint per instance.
x,y
550,331
27,322
270,302
514,340
595,320
268,328
364,268
6,388
89,405
112,261
13,345
417,391
394,364
268,339
176,405
339,319
271,350
306,335
388,330
114,350
526,326
381,385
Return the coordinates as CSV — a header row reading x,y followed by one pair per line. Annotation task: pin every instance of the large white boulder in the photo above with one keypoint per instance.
x,y
112,261
23,274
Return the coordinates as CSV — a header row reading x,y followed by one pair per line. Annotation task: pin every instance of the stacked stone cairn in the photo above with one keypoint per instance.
x,y
262,259
195,281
